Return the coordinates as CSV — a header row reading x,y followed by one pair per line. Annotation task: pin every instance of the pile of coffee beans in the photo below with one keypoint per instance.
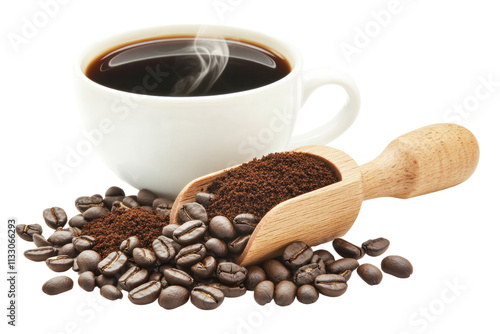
x,y
126,244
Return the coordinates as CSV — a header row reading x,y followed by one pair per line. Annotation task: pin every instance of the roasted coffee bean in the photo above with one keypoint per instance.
x,y
168,230
276,271
144,257
155,276
231,274
206,297
173,296
325,255
75,266
146,197
189,232
94,213
341,265
114,191
83,242
237,246
245,223
57,285
113,194
284,293
128,202
164,249
346,274
205,268
347,250
216,247
204,198
127,246
319,261
307,273
111,292
59,263
132,278
40,253
102,280
40,241
55,217
77,221
330,285
229,291
60,238
255,275
264,292
193,211
88,260
176,276
26,232
75,231
297,254
375,247
397,266
113,264
163,203
307,294
86,281
190,255
145,293
84,203
220,227
370,274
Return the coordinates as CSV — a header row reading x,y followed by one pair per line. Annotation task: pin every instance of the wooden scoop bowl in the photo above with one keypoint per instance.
x,y
429,159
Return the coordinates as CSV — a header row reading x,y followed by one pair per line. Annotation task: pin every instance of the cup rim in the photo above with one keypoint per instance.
x,y
104,44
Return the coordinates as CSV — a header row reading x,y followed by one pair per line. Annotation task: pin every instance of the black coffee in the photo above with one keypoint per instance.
x,y
186,66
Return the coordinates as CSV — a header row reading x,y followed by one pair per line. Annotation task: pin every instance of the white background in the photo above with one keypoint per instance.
x,y
427,58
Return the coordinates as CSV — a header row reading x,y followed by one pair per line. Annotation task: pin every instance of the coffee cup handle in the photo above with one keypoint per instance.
x,y
327,132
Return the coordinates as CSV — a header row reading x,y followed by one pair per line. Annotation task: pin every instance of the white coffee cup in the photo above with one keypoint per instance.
x,y
161,143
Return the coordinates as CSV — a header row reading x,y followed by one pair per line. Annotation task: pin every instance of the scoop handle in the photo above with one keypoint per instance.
x,y
429,159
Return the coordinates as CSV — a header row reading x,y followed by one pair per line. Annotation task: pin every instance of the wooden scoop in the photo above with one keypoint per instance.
x,y
429,159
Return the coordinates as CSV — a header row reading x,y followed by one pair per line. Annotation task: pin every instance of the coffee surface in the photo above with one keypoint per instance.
x,y
187,66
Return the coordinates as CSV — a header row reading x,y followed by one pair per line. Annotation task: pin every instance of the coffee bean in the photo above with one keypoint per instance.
x,y
112,195
111,292
347,250
275,271
206,297
114,191
307,294
216,247
341,265
193,211
173,296
264,292
190,255
370,274
205,268
307,273
375,247
86,281
168,230
229,291
57,285
297,254
26,232
189,232
325,255
237,245
176,276
220,227
83,242
113,264
245,223
40,253
204,198
60,238
397,266
55,217
128,202
75,231
59,263
127,246
155,276
84,203
284,293
231,274
319,261
163,203
75,266
88,260
132,278
144,257
94,213
346,274
145,293
330,285
102,280
77,221
255,275
164,249
40,241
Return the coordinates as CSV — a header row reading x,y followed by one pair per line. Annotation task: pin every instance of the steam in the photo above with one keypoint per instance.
x,y
210,56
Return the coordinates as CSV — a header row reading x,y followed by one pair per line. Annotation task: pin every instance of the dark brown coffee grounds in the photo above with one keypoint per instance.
x,y
257,186
113,227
